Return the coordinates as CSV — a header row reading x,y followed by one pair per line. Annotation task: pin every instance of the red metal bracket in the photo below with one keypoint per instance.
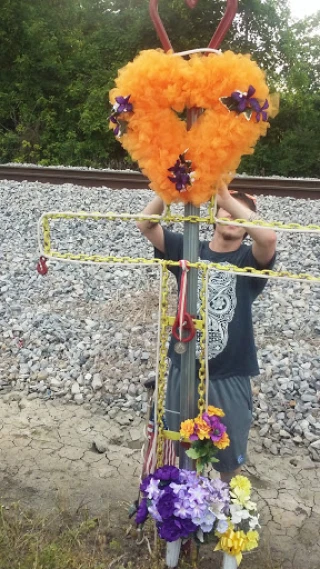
x,y
219,34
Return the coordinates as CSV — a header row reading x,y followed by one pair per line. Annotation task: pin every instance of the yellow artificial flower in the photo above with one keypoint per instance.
x,y
241,497
233,543
252,539
242,483
215,411
203,429
223,443
187,428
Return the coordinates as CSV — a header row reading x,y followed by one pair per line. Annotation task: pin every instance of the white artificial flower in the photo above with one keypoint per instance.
x,y
238,514
254,522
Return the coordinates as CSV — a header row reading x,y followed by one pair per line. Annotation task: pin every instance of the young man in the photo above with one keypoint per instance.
x,y
231,348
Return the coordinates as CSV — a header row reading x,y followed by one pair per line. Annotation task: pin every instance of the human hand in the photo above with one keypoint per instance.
x,y
223,195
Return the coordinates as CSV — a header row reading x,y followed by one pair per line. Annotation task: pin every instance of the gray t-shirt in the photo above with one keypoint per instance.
x,y
231,346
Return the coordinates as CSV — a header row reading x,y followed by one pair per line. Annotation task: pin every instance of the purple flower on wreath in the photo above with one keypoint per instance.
x,y
122,105
261,110
244,100
116,130
167,474
142,512
246,103
182,173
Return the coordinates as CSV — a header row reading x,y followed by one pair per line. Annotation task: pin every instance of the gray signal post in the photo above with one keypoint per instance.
x,y
188,401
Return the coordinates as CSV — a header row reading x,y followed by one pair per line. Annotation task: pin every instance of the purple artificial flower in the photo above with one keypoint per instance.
x,y
261,111
244,100
188,527
217,484
206,521
197,510
175,528
182,174
182,509
122,105
152,491
145,483
197,494
154,512
167,474
165,505
170,530
178,489
142,512
116,130
219,492
189,477
217,428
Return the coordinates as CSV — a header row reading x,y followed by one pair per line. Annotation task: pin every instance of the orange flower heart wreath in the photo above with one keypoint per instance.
x,y
153,90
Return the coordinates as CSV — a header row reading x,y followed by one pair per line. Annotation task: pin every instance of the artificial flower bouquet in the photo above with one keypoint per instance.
x,y
207,434
186,504
243,520
182,503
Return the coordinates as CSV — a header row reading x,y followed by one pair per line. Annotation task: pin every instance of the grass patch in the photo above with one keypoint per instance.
x,y
65,541
77,541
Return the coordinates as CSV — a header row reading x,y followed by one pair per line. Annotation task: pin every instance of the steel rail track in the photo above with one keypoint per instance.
x,y
117,180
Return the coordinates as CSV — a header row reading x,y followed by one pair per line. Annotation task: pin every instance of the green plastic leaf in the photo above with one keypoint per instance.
x,y
214,459
229,102
193,453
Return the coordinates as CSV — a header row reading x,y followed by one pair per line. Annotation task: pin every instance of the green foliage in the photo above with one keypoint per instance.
x,y
204,453
58,61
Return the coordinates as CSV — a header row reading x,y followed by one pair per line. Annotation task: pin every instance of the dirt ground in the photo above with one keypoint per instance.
x,y
49,457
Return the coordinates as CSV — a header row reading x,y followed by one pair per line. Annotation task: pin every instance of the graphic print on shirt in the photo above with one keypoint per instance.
x,y
222,302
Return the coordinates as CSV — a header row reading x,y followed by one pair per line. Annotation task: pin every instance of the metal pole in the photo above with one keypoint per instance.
x,y
188,401
188,395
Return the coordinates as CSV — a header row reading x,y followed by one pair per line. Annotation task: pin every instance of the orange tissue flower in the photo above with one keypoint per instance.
x,y
215,411
223,443
187,428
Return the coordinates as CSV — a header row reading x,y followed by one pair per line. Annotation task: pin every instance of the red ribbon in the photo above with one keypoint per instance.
x,y
183,327
42,266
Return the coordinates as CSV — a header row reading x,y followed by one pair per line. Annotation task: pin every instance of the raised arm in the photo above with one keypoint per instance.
x,y
153,230
264,240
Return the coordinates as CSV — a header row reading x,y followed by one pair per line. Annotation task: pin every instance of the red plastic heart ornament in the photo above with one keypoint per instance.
x,y
218,35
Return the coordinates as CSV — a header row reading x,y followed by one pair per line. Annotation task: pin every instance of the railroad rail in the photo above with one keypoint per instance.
x,y
117,180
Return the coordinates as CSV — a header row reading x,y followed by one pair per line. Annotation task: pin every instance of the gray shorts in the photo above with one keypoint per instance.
x,y
233,395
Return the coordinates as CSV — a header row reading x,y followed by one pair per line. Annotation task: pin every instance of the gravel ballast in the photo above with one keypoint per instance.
x,y
87,334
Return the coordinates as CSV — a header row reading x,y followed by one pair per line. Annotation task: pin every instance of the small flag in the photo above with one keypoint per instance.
x,y
150,458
